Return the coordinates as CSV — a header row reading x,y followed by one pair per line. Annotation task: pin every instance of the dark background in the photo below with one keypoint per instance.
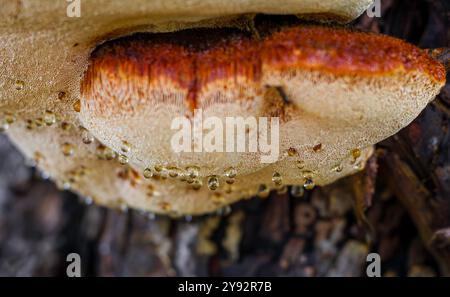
x,y
398,207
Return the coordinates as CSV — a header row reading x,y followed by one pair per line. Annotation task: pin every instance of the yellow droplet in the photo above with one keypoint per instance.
x,y
213,182
276,178
317,147
309,184
19,85
49,117
123,159
356,153
67,149
61,95
77,106
148,173
230,172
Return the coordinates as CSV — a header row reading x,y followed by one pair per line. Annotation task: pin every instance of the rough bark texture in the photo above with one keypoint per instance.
x,y
399,207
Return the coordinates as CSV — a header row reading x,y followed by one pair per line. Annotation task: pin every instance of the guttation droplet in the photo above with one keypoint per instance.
x,y
300,164
126,146
49,117
292,152
86,136
192,171
263,191
148,173
297,191
67,149
277,179
77,106
19,85
213,182
197,184
123,159
356,153
174,172
309,184
231,172
338,168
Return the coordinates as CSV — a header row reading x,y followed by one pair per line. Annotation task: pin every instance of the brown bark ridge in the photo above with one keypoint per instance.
x,y
399,207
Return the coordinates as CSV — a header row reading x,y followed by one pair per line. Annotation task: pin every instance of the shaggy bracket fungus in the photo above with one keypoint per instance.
x,y
91,100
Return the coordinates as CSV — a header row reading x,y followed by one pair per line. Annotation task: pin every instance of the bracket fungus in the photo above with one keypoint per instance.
x,y
91,99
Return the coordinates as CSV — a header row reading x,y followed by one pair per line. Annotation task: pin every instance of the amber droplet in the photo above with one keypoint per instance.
x,y
356,153
77,106
317,147
213,182
292,152
65,126
61,95
67,149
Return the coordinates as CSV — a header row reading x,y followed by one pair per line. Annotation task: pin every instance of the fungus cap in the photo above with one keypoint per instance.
x,y
346,102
